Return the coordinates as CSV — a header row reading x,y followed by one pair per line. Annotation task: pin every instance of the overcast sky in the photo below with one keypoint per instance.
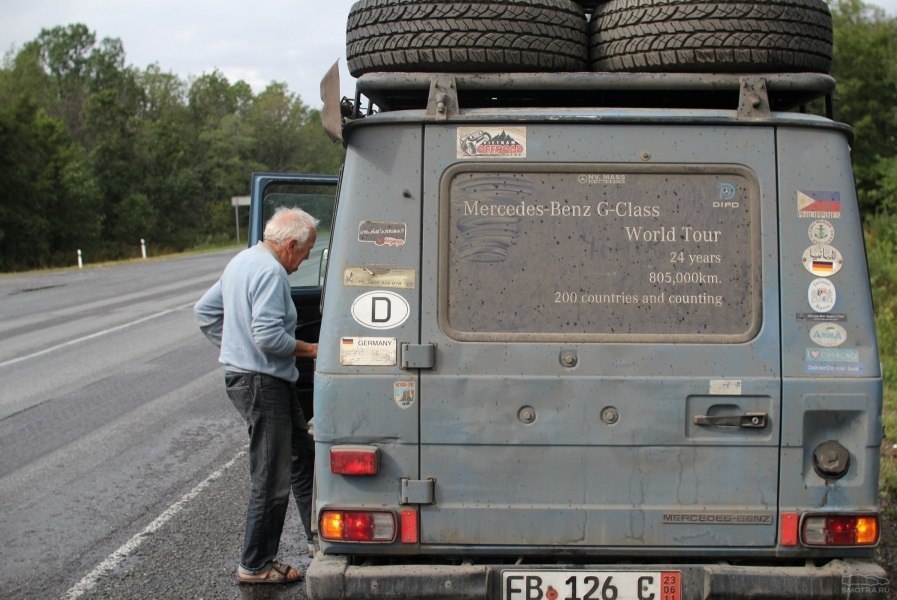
x,y
258,41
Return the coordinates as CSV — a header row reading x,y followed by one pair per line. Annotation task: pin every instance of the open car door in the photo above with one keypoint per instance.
x,y
316,195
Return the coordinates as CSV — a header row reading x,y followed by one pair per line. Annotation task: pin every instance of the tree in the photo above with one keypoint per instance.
x,y
49,200
64,54
212,98
319,153
277,118
23,76
164,95
221,149
95,154
865,67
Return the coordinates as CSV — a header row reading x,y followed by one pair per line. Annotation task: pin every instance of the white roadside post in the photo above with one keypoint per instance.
x,y
80,262
143,248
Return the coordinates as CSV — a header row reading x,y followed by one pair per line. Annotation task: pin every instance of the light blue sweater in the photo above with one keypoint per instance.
x,y
250,315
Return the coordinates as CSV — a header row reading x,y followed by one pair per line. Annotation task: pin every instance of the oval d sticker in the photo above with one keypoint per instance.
x,y
380,310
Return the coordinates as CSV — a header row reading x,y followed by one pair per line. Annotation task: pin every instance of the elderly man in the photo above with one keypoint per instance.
x,y
249,313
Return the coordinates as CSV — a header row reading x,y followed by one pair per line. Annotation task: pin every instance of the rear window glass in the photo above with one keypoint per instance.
x,y
316,200
603,252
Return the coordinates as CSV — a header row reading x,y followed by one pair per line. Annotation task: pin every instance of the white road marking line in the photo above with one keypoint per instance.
x,y
94,335
128,548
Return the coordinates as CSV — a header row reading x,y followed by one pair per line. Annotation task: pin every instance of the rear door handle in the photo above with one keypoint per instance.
x,y
750,420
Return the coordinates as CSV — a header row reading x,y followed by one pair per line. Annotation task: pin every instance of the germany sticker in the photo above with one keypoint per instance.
x,y
822,260
367,351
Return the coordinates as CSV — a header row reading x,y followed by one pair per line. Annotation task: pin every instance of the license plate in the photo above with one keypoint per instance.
x,y
591,585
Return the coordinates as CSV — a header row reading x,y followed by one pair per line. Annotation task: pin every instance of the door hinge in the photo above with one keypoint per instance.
x,y
418,356
418,491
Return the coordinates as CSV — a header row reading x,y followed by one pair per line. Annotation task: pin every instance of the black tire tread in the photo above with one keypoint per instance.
x,y
478,35
742,36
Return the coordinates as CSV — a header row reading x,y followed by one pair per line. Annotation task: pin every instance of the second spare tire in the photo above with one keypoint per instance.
x,y
722,36
472,35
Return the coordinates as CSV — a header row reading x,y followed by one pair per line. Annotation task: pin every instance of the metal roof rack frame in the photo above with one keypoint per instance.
x,y
446,94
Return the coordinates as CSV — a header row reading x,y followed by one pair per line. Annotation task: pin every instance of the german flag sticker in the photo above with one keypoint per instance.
x,y
822,260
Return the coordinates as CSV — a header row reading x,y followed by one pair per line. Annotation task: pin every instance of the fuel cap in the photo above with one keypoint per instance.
x,y
831,460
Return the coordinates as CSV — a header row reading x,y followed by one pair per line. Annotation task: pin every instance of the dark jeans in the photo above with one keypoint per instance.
x,y
281,457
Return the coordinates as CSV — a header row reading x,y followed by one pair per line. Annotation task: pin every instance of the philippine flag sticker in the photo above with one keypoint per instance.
x,y
819,205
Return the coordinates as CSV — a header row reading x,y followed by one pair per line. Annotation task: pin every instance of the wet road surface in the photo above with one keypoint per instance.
x,y
123,471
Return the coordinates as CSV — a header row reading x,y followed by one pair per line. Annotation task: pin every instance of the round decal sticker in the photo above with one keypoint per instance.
x,y
380,310
822,260
828,334
821,232
821,295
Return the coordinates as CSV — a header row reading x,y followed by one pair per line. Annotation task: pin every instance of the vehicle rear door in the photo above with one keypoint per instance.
x,y
604,312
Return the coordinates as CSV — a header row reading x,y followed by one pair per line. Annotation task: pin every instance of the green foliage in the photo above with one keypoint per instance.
x,y
51,201
865,67
160,158
881,249
95,154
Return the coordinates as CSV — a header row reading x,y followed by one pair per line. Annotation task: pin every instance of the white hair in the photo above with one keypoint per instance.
x,y
289,224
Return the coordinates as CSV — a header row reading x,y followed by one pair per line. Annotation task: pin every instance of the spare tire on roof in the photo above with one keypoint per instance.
x,y
471,35
722,36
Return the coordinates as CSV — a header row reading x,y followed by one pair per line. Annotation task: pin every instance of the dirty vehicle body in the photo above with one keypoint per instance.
x,y
619,347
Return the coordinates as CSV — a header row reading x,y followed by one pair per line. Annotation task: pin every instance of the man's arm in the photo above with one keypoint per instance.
x,y
209,313
270,291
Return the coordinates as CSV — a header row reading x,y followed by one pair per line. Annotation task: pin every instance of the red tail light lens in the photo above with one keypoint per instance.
x,y
409,526
357,526
354,460
840,530
788,529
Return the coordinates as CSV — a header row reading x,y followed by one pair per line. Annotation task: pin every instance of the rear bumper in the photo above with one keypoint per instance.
x,y
331,577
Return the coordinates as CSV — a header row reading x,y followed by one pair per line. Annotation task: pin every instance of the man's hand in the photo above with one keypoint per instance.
x,y
305,350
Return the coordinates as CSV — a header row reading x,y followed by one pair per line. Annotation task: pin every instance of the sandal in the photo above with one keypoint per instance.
x,y
277,573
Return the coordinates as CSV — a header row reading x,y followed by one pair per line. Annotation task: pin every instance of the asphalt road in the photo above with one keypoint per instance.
x,y
123,471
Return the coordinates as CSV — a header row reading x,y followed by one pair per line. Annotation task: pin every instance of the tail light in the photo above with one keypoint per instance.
x,y
840,530
354,460
357,526
788,529
410,530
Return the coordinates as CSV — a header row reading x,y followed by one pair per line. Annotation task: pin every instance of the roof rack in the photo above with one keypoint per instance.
x,y
445,94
